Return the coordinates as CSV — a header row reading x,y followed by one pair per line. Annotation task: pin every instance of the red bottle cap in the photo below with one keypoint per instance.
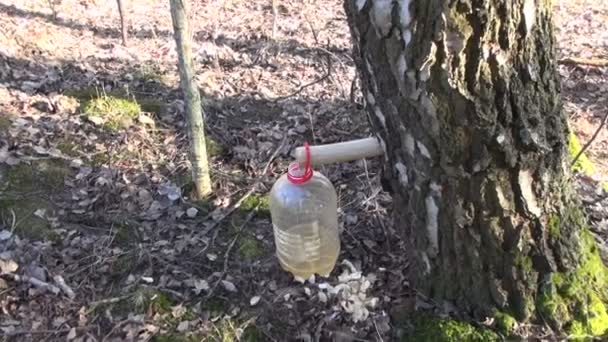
x,y
295,174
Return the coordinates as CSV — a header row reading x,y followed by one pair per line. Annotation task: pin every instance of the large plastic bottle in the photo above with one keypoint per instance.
x,y
303,209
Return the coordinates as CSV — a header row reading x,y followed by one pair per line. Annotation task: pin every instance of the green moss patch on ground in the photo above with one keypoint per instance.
x,y
146,103
28,188
5,122
223,331
250,248
214,148
257,201
115,113
149,72
429,328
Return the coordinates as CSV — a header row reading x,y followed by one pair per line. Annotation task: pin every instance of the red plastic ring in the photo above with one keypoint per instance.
x,y
293,172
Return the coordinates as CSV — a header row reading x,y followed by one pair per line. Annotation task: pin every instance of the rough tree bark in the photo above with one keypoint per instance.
x,y
123,21
192,98
464,96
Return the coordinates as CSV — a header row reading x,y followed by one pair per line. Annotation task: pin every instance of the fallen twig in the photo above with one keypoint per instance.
x,y
584,61
299,90
248,193
586,146
35,282
170,292
41,332
230,246
64,287
107,301
120,325
231,210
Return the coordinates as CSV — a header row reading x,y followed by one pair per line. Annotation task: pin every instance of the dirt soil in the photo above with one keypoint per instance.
x,y
99,237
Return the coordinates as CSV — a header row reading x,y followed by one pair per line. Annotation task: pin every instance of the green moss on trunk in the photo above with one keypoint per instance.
x,y
504,322
576,301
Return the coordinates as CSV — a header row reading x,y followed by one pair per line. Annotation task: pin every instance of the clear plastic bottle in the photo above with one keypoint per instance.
x,y
303,208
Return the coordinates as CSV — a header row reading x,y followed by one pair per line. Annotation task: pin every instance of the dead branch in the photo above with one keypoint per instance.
x,y
584,61
34,282
120,325
227,253
595,134
299,90
107,301
248,193
64,287
41,332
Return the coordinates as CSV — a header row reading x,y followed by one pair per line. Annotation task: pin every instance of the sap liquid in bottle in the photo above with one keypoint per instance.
x,y
303,209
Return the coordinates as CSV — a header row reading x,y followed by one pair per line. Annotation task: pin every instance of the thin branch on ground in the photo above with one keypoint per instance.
x,y
40,332
64,287
34,282
230,246
599,62
120,325
107,301
595,134
169,292
299,90
248,193
312,28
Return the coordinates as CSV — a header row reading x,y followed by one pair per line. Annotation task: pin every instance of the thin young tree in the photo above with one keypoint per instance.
x,y
123,21
192,98
465,97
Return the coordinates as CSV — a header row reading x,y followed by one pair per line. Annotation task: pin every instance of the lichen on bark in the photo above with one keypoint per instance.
x,y
477,129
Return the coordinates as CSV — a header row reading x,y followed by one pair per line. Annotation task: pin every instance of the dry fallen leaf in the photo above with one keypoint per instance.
x,y
229,286
71,335
8,266
183,326
254,300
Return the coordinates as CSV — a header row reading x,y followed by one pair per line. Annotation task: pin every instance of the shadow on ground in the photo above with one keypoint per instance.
x,y
110,201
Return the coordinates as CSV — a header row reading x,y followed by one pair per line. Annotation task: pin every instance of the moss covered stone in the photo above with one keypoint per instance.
x,y
577,300
115,113
427,328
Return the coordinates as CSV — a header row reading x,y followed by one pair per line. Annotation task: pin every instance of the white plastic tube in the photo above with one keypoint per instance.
x,y
340,152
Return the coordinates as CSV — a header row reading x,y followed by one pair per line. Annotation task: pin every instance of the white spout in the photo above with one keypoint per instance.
x,y
340,152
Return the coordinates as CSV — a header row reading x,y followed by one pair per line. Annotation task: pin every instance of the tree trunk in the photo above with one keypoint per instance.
x,y
464,96
194,111
123,22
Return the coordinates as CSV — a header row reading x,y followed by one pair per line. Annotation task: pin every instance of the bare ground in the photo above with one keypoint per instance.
x,y
108,213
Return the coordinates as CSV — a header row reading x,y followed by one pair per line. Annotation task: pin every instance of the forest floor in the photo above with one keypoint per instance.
x,y
99,238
